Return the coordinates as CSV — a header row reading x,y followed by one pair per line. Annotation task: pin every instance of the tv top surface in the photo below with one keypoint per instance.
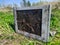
x,y
32,7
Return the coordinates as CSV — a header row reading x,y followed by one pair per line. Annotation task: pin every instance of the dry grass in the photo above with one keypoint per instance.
x,y
9,37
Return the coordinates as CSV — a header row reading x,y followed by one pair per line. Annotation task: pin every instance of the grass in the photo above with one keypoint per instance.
x,y
9,37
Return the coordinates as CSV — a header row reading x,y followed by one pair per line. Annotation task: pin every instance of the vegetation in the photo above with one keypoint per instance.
x,y
28,3
7,33
9,37
55,20
25,3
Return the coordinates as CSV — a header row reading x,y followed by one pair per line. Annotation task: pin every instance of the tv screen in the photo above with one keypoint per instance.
x,y
30,21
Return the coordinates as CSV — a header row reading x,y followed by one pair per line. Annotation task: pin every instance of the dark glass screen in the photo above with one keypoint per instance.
x,y
30,21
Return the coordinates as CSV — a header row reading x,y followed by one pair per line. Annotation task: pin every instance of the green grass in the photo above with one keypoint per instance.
x,y
9,37
55,20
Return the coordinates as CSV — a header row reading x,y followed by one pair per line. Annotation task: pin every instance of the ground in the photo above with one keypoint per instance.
x,y
8,36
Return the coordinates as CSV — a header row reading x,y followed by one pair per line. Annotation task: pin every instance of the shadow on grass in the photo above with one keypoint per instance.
x,y
13,26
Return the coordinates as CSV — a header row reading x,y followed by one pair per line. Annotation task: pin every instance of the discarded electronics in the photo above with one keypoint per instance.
x,y
33,22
